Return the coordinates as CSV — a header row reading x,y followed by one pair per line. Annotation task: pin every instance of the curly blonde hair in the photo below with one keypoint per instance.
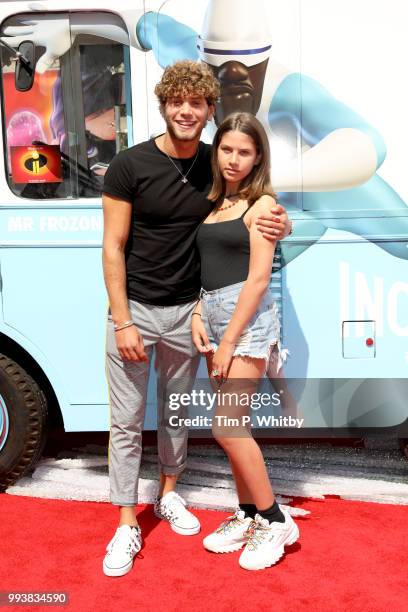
x,y
187,78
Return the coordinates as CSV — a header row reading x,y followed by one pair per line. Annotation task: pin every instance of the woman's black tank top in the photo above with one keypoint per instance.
x,y
224,253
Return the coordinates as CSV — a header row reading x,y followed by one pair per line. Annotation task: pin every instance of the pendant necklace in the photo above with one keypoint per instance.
x,y
183,176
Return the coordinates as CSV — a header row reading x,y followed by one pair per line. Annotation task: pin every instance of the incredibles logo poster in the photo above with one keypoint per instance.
x,y
36,164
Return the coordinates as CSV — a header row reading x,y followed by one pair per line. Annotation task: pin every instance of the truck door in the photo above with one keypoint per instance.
x,y
59,137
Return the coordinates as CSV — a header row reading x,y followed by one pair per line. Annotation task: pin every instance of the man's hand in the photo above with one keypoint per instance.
x,y
275,226
199,334
130,344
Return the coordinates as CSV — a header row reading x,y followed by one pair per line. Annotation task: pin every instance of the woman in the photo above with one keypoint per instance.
x,y
236,325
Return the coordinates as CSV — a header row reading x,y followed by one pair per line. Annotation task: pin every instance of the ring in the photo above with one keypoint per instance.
x,y
215,373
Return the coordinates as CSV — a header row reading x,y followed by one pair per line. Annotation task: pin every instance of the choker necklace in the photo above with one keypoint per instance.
x,y
232,195
183,176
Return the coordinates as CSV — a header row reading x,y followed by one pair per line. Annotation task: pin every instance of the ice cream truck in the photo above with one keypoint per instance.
x,y
77,81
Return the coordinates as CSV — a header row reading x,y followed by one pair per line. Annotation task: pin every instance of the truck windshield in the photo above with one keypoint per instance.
x,y
62,133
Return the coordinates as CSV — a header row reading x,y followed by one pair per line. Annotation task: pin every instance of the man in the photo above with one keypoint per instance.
x,y
154,200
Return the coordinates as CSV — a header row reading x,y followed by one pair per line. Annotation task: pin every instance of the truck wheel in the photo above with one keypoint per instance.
x,y
403,442
23,422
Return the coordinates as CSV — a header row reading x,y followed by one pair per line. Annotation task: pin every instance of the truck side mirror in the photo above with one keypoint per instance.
x,y
25,66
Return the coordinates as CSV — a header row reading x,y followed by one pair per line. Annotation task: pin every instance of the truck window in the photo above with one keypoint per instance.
x,y
62,133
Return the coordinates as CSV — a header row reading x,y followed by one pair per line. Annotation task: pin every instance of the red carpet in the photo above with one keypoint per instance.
x,y
351,556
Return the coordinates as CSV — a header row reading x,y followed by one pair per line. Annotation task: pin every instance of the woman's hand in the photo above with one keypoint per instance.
x,y
275,225
199,334
222,360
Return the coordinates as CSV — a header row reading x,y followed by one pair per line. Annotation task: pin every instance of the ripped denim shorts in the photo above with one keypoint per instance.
x,y
260,336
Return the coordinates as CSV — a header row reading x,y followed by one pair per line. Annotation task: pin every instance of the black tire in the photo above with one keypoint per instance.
x,y
403,443
26,410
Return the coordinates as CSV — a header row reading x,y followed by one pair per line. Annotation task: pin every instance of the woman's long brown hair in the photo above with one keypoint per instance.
x,y
258,181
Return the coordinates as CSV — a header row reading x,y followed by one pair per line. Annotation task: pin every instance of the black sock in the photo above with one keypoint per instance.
x,y
249,509
273,514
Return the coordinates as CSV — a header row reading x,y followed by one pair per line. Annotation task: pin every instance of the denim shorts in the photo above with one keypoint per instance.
x,y
262,332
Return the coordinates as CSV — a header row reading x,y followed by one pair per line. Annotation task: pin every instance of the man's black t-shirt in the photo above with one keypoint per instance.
x,y
162,262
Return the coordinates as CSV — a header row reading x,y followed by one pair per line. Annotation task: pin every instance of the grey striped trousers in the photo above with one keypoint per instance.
x,y
168,330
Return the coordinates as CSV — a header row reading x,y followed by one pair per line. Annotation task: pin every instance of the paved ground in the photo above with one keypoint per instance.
x,y
378,473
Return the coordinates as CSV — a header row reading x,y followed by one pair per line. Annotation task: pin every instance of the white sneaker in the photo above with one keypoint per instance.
x,y
172,508
121,550
267,541
230,535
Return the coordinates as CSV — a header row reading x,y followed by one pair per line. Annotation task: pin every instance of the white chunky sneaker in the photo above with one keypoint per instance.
x,y
121,550
172,508
230,535
267,541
